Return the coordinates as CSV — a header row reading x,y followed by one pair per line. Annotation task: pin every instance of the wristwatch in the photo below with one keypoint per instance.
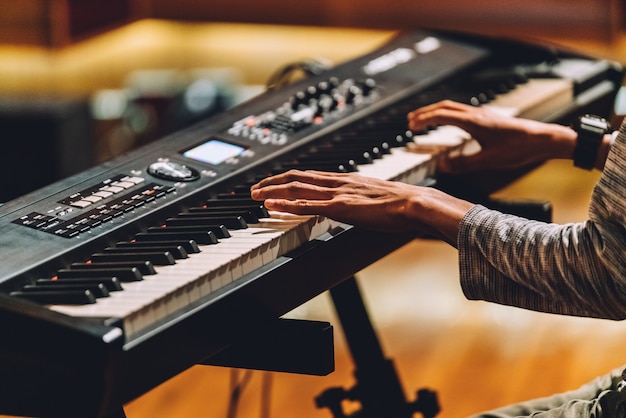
x,y
591,130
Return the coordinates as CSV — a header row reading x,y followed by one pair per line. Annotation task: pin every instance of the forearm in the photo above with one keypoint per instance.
x,y
539,266
439,212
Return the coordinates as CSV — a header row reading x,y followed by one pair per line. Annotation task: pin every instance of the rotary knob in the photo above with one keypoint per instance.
x,y
169,170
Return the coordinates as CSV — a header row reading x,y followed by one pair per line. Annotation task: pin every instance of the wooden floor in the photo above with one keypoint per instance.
x,y
475,355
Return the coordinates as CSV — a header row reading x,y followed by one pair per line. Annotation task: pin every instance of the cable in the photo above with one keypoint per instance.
x,y
237,387
285,74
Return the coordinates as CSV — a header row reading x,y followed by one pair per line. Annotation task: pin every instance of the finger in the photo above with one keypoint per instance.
x,y
291,191
292,184
440,117
276,179
298,179
444,104
297,206
310,176
456,114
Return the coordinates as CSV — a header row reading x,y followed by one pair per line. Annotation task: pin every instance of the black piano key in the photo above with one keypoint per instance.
x,y
361,153
189,245
258,209
240,201
339,157
383,141
119,268
178,253
158,258
58,298
98,289
205,237
234,195
227,215
112,284
348,163
244,187
131,274
192,225
230,222
403,139
320,166
376,145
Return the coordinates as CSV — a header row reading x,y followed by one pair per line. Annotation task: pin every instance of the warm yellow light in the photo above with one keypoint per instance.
x,y
104,61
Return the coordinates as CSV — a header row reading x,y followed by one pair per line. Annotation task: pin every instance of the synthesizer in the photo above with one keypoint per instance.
x,y
119,277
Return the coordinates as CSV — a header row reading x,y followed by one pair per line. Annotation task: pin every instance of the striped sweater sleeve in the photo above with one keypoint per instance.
x,y
572,269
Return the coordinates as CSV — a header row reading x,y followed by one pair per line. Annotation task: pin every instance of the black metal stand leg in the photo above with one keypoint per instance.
x,y
378,387
119,414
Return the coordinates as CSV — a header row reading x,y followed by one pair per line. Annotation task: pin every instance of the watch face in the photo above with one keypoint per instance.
x,y
595,122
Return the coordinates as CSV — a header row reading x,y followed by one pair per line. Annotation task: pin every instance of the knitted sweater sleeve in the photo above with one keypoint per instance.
x,y
572,269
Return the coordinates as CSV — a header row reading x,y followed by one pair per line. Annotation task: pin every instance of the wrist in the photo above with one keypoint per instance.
x,y
561,142
603,152
438,212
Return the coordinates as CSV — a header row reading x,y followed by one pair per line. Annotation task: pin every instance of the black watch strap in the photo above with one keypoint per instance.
x,y
591,130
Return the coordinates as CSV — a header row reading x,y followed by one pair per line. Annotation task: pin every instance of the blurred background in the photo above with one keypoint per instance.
x,y
82,81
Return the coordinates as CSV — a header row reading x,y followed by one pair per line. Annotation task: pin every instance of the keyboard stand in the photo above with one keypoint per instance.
x,y
286,345
378,388
119,414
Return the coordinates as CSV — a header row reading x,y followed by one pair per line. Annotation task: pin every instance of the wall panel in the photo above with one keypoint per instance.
x,y
61,22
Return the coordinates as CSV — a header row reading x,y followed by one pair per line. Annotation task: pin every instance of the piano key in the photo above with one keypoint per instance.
x,y
335,168
234,195
228,216
155,257
111,283
257,209
360,147
177,252
98,289
65,298
232,222
124,270
242,188
187,225
122,274
349,164
189,245
205,237
351,156
246,201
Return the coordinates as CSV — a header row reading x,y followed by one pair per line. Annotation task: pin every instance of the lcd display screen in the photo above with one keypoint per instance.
x,y
214,152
